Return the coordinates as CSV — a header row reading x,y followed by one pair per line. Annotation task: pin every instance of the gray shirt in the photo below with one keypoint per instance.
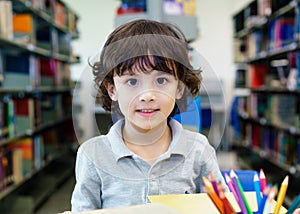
x,y
108,174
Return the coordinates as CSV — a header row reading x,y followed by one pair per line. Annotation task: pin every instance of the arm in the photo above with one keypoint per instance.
x,y
211,165
87,191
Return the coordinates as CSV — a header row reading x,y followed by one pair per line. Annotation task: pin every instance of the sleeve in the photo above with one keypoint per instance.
x,y
87,191
211,166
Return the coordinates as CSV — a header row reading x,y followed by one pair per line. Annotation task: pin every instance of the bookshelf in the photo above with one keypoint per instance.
x,y
37,139
178,13
267,58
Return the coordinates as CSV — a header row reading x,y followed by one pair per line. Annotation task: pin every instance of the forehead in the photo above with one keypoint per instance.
x,y
146,64
136,72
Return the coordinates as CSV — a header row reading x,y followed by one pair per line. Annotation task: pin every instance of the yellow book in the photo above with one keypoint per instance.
x,y
201,203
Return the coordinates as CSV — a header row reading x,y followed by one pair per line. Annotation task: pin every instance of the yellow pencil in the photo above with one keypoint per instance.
x,y
281,194
208,184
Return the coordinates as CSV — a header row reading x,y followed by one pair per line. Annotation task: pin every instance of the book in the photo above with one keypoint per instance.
x,y
20,71
52,108
43,35
60,14
277,110
264,7
23,28
11,126
38,149
24,115
6,26
258,75
17,163
48,71
26,145
72,22
201,203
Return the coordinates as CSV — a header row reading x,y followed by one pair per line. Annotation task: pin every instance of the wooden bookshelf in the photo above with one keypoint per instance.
x,y
268,122
37,137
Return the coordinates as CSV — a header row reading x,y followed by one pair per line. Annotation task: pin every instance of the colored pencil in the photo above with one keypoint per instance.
x,y
208,184
238,192
231,188
294,205
262,180
256,184
214,183
281,194
271,196
228,209
263,200
215,199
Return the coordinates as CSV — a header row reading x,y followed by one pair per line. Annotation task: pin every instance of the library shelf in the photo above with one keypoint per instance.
x,y
37,136
266,38
157,10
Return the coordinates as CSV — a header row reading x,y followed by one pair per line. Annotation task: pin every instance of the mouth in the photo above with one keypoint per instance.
x,y
147,110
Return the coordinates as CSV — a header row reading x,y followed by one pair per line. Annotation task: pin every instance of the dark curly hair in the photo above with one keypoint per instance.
x,y
148,45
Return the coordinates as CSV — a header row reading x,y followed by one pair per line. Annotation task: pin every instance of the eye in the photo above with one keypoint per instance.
x,y
161,80
132,82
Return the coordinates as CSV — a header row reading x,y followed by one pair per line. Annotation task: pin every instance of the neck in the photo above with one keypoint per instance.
x,y
148,145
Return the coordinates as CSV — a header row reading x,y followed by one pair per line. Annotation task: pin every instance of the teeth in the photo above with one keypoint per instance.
x,y
146,110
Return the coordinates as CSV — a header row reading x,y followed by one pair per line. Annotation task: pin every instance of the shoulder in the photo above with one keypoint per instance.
x,y
179,132
93,145
187,142
199,140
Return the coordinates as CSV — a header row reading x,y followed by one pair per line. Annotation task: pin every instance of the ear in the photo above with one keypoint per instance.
x,y
180,90
111,90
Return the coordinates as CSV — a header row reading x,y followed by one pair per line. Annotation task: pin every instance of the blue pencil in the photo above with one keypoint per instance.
x,y
294,205
263,200
256,183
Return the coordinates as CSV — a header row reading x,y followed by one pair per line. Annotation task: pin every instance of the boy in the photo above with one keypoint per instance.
x,y
144,75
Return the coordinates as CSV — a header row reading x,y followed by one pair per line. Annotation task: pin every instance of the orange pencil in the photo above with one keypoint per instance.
x,y
215,199
281,194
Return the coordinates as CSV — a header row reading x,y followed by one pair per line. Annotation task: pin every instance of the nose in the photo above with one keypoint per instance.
x,y
147,96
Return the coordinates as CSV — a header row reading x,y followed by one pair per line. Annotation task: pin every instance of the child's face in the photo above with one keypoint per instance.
x,y
146,99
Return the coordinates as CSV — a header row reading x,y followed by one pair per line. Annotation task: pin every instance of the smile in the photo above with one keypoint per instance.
x,y
147,110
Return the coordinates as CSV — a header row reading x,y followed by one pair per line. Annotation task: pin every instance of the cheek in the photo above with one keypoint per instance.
x,y
126,101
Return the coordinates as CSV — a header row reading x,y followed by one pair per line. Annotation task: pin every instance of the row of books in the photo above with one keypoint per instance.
x,y
56,11
19,70
26,28
256,13
23,115
277,145
279,34
62,15
271,109
281,73
22,157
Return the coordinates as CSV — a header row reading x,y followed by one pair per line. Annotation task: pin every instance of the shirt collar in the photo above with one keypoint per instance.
x,y
179,144
116,141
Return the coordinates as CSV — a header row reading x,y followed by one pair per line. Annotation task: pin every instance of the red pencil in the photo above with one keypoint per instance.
x,y
262,180
228,209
